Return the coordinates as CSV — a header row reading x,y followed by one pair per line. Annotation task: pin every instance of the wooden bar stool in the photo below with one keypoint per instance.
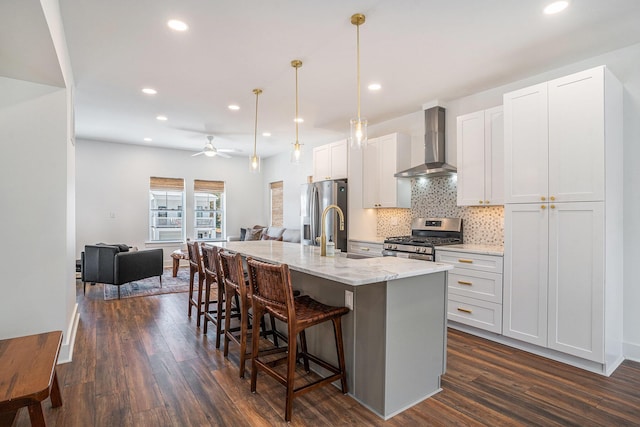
x,y
195,266
271,292
214,292
235,285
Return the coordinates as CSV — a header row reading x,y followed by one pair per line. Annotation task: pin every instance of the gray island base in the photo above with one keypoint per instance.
x,y
395,334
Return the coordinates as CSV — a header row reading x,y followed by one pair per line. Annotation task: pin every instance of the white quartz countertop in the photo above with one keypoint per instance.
x,y
355,272
474,248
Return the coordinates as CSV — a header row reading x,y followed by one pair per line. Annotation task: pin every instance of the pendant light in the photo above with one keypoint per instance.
x,y
296,152
254,161
358,134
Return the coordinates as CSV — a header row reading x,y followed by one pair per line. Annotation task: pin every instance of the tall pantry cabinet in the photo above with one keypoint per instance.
x,y
563,216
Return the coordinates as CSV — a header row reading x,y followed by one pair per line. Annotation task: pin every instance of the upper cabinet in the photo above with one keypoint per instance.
x,y
330,161
556,140
481,158
382,158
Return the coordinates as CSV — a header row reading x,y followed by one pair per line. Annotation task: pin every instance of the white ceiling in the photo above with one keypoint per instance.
x,y
419,50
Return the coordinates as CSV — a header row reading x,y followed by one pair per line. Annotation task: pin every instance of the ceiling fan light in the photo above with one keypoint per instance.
x,y
210,153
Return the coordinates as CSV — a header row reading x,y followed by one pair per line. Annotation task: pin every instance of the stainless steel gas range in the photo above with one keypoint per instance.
x,y
426,233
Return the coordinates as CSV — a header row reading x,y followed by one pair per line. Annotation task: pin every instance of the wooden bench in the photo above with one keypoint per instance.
x,y
28,375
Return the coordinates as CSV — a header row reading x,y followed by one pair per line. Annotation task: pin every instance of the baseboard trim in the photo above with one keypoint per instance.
x,y
631,351
69,341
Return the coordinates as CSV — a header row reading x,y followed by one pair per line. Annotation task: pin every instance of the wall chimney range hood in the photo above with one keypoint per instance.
x,y
434,162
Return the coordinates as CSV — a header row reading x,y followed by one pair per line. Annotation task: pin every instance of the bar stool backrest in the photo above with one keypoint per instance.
x,y
211,263
195,260
270,286
233,272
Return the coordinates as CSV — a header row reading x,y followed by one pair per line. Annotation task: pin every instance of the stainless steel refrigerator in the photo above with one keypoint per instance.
x,y
315,198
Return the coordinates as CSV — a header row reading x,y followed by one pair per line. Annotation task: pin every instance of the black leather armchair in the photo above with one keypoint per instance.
x,y
111,265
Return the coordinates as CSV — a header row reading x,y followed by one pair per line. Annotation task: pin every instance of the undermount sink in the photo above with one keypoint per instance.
x,y
356,256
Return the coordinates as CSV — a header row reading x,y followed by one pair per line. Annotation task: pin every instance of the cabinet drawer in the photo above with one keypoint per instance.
x,y
480,314
476,284
489,263
365,248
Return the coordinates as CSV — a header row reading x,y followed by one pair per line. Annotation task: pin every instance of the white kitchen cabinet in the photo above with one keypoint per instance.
x,y
382,158
576,279
526,242
330,161
481,158
563,253
554,276
556,134
474,289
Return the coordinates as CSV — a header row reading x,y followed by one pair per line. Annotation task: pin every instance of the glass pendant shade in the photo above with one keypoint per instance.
x,y
254,164
296,153
358,134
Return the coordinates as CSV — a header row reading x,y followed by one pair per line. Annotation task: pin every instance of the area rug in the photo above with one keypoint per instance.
x,y
151,286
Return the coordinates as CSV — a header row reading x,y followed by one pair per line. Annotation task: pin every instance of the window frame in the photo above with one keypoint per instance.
x,y
170,211
217,209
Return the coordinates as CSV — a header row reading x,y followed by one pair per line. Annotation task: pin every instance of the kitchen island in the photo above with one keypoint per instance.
x,y
394,335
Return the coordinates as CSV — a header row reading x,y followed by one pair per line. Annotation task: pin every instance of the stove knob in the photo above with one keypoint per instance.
x,y
395,247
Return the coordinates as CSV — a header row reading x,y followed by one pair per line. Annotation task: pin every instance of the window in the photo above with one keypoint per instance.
x,y
277,204
166,209
209,210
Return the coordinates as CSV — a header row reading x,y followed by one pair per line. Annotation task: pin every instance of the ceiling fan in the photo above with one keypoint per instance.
x,y
210,151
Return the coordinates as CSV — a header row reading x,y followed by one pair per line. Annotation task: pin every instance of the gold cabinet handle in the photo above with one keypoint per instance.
x,y
364,249
464,310
480,201
486,202
552,198
543,198
466,261
543,206
463,282
552,206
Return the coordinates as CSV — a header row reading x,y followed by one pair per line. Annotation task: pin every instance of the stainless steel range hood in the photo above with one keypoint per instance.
x,y
434,162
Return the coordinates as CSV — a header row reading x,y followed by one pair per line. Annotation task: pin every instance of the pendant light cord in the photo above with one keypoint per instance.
x,y
297,117
358,65
255,127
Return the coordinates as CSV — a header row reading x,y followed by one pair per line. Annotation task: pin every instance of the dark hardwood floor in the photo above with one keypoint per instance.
x,y
142,362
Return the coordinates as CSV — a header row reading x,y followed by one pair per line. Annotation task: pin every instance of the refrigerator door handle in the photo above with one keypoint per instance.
x,y
313,214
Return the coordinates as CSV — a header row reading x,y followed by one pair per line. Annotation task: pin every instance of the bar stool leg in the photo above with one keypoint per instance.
x,y
337,329
291,370
303,352
219,315
227,321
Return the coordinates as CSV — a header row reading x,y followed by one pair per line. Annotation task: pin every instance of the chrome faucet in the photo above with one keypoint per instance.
x,y
323,235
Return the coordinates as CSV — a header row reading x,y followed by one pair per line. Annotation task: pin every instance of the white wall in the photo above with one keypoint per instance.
x,y
112,191
38,292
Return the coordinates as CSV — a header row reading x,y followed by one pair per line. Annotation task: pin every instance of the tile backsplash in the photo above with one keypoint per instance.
x,y
436,197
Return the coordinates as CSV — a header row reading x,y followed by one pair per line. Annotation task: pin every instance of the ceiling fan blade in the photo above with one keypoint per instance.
x,y
226,156
197,154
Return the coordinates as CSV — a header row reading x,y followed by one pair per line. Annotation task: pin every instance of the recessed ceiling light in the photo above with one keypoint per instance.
x,y
148,139
556,6
162,118
234,107
174,24
266,133
374,86
299,120
149,91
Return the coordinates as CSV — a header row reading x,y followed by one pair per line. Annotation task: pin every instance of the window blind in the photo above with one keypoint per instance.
x,y
210,187
166,184
277,199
